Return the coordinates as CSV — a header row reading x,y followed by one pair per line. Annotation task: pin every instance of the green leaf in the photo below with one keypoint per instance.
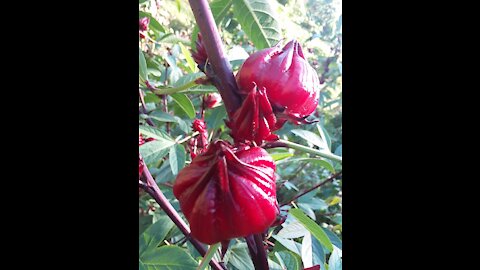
x,y
188,79
335,260
310,137
154,133
287,243
168,258
177,158
338,151
313,227
215,119
258,21
155,234
238,256
155,150
143,66
325,136
280,155
333,238
188,57
154,24
185,103
324,163
144,222
294,229
162,116
182,125
318,253
151,97
307,253
219,10
290,260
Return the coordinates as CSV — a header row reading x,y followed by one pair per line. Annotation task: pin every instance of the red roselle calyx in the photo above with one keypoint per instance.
x,y
212,100
291,84
228,192
254,120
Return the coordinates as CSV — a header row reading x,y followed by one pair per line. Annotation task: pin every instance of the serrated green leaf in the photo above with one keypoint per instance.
x,y
324,163
185,103
280,155
177,158
142,66
153,151
188,57
313,227
154,24
154,133
168,258
155,234
310,137
259,21
219,9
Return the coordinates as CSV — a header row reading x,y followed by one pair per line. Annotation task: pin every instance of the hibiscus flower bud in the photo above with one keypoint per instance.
x,y
143,23
228,192
200,54
291,84
213,100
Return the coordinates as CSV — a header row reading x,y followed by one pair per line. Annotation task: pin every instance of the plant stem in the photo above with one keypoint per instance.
x,y
211,251
153,190
306,149
173,90
188,137
312,188
227,86
257,251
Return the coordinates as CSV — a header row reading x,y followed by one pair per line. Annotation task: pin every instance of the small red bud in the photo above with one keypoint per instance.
x,y
228,192
200,54
213,100
143,23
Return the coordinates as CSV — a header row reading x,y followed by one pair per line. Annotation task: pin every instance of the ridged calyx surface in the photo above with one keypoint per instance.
x,y
228,192
292,85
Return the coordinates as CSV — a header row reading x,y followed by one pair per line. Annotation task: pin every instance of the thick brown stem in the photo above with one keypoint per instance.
x,y
227,86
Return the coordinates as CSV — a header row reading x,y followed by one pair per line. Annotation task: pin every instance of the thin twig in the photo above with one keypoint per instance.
x,y
312,188
153,190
